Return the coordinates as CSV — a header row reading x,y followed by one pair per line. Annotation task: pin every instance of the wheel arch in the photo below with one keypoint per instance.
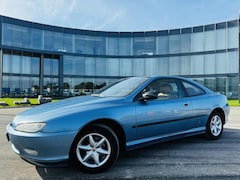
x,y
114,126
219,110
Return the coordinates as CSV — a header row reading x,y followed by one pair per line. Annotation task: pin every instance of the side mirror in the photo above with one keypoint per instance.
x,y
149,95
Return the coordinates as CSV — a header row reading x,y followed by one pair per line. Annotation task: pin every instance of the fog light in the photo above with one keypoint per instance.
x,y
31,152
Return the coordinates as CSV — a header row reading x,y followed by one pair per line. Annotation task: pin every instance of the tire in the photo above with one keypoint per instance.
x,y
95,150
214,126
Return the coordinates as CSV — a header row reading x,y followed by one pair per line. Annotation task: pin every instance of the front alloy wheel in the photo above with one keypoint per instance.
x,y
96,149
93,150
214,126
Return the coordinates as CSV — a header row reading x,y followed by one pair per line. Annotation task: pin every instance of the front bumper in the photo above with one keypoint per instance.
x,y
39,148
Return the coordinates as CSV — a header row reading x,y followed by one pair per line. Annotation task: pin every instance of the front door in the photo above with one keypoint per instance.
x,y
169,114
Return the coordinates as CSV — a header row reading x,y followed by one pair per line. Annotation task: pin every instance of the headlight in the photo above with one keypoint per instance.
x,y
30,127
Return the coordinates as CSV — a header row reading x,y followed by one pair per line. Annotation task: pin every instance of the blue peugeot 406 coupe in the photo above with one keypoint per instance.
x,y
91,131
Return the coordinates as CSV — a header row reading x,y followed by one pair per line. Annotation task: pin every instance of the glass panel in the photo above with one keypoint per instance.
x,y
185,43
76,91
100,83
68,43
35,65
47,87
197,65
233,61
51,87
15,90
26,37
209,64
150,46
37,39
210,39
100,47
6,63
54,67
35,86
163,66
174,65
232,87
5,85
80,44
101,67
90,66
185,65
174,44
79,66
16,60
67,86
151,67
55,87
89,85
7,34
16,36
232,40
163,44
112,46
197,42
125,46
221,63
138,67
76,87
26,64
221,85
48,40
210,83
138,46
50,66
112,67
90,45
47,66
126,67
58,42
25,86
144,45
67,65
221,39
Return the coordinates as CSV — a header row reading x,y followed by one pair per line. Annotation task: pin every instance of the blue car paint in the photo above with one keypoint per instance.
x,y
140,122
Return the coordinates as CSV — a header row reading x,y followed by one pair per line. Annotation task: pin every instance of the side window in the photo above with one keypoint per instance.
x,y
164,89
192,90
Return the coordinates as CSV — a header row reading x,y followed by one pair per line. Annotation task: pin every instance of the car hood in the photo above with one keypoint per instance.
x,y
65,107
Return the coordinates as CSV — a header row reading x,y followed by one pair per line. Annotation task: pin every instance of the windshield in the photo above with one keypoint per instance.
x,y
122,88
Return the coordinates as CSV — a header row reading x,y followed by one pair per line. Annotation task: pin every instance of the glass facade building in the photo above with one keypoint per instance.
x,y
56,61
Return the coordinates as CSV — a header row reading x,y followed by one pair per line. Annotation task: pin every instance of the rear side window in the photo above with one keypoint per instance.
x,y
192,90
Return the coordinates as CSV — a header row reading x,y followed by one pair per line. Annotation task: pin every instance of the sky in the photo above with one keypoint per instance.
x,y
122,15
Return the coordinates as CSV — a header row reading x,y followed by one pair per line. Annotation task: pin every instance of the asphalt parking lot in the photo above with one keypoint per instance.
x,y
189,158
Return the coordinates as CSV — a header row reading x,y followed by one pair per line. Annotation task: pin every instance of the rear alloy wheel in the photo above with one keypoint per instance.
x,y
96,149
214,126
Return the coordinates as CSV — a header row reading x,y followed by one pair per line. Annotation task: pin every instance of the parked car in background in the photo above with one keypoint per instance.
x,y
91,131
